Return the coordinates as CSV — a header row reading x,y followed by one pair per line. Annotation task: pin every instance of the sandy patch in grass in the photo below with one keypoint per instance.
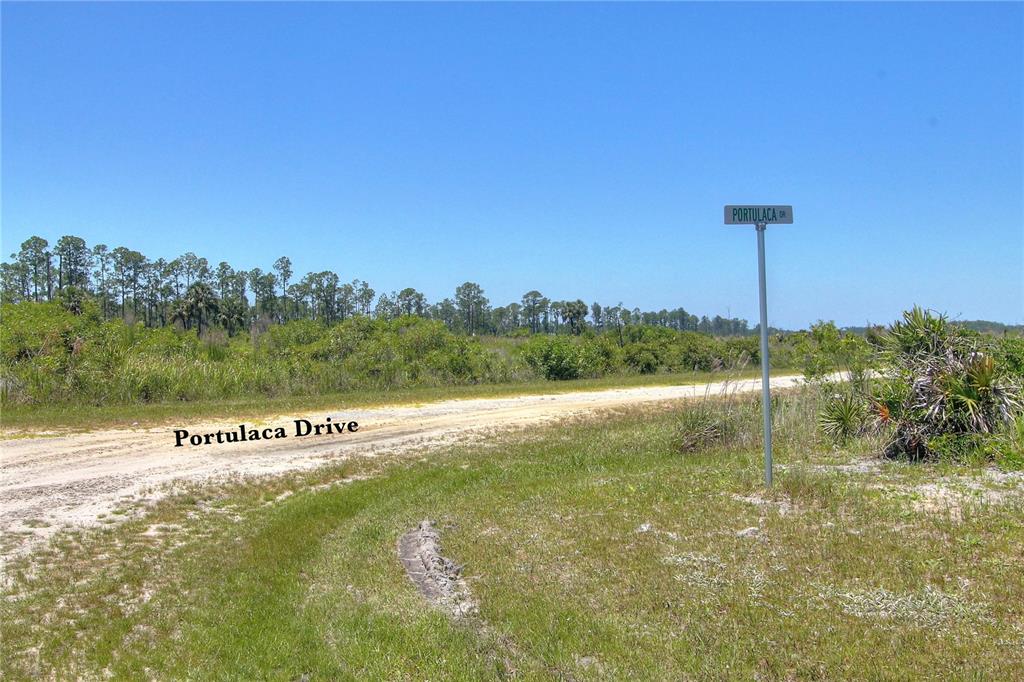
x,y
783,507
435,576
929,607
955,494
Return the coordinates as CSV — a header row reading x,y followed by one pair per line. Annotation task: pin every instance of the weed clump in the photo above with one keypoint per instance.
x,y
699,428
729,423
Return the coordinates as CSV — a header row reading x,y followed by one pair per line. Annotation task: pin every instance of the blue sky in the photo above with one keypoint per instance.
x,y
585,150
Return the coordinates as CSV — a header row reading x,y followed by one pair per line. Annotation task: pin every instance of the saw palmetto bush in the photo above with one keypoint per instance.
x,y
942,384
843,415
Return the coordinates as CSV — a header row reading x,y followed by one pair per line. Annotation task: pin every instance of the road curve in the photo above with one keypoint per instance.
x,y
50,483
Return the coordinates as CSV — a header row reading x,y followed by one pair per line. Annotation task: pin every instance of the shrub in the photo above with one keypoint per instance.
x,y
695,352
741,351
299,338
558,357
825,349
843,415
29,330
52,356
64,352
954,387
1009,353
958,447
887,398
641,357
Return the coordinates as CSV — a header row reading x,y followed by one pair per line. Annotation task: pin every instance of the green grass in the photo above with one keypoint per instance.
x,y
16,420
847,579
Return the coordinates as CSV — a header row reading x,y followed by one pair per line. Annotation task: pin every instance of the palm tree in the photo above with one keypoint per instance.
x,y
231,314
200,299
180,314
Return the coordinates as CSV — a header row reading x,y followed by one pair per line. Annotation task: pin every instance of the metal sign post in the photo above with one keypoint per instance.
x,y
766,392
760,217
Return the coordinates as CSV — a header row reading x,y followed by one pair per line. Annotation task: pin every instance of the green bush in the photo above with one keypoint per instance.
x,y
1009,352
1006,446
694,352
944,392
824,349
742,351
699,428
843,416
642,357
52,356
299,338
557,357
955,393
887,398
31,330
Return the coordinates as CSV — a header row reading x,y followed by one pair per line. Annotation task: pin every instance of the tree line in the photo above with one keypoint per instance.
x,y
190,292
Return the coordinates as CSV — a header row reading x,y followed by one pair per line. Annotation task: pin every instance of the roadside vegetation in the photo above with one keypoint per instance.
x,y
99,328
931,390
93,336
54,357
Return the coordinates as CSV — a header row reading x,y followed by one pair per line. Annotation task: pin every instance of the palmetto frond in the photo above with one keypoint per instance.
x,y
953,386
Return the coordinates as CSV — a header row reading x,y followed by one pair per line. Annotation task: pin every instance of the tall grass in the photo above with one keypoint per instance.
x,y
735,422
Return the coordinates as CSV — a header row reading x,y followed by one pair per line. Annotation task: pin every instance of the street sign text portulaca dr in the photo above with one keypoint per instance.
x,y
754,215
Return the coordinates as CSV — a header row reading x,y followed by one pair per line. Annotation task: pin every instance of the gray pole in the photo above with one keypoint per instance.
x,y
766,394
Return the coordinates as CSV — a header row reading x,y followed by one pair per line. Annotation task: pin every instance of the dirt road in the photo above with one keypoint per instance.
x,y
50,483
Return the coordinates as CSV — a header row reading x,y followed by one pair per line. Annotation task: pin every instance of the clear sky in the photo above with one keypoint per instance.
x,y
585,150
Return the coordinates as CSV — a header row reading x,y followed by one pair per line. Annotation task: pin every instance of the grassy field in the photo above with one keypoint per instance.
x,y
19,419
594,549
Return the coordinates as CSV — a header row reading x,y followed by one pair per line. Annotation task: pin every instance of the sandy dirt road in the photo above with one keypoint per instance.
x,y
53,482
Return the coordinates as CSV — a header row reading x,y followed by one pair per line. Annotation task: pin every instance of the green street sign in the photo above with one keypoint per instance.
x,y
758,215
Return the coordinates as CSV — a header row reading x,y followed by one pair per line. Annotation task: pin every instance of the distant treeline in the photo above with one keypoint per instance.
x,y
987,327
982,326
189,292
